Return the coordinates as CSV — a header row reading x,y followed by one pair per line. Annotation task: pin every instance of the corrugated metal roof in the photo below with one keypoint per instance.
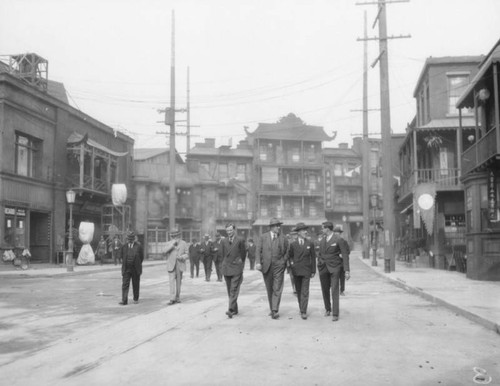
x,y
448,123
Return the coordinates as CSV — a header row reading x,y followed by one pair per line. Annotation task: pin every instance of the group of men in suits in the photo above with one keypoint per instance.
x,y
273,253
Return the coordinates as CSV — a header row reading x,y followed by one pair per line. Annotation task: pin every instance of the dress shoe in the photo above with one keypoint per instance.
x,y
171,302
342,293
303,315
178,300
136,301
122,303
275,315
328,313
335,318
229,314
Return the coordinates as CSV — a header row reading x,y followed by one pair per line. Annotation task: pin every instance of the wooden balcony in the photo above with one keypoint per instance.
x,y
481,152
347,181
91,185
445,180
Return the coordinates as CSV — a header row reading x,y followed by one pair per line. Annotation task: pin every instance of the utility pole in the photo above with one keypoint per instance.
x,y
188,117
385,123
366,153
170,120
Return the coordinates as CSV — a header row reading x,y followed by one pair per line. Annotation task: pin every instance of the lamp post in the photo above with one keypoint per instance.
x,y
70,197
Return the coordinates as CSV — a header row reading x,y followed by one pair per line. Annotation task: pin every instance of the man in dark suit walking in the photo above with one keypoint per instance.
x,y
251,253
302,258
132,257
333,256
194,258
207,252
233,253
218,256
270,258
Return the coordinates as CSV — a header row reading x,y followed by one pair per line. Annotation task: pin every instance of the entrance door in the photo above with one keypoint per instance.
x,y
40,237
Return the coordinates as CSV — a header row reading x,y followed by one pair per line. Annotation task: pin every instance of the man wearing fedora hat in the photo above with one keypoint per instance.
x,y
177,252
333,256
270,258
132,257
302,258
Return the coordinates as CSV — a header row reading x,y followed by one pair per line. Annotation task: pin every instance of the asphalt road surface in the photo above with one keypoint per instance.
x,y
70,330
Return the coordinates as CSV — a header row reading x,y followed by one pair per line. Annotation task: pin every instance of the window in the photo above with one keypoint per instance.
x,y
223,171
206,166
241,172
28,156
223,205
241,202
338,169
456,86
295,154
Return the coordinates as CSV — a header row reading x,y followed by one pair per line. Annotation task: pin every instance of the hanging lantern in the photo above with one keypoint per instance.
x,y
86,232
119,194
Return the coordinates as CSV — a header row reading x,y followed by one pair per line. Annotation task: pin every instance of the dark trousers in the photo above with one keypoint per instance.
x,y
302,287
342,280
207,266
252,263
218,268
233,284
330,282
273,280
130,273
194,263
116,256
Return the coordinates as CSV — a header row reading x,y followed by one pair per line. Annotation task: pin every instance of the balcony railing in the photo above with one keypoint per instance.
x,y
298,189
480,152
443,178
93,185
348,181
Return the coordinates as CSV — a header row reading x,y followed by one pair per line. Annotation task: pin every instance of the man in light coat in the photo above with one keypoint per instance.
x,y
233,252
270,258
176,252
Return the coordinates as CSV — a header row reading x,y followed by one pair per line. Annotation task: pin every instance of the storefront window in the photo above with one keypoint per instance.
x,y
14,226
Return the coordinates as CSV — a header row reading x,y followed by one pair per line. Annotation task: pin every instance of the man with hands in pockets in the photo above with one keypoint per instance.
x,y
177,252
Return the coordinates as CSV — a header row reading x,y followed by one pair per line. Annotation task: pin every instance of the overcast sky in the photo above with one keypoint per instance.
x,y
250,61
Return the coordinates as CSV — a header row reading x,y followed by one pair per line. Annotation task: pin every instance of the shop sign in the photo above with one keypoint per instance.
x,y
492,202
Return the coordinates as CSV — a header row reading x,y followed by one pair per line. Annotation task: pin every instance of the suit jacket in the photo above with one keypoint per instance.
x,y
136,250
263,250
206,250
302,258
176,254
217,248
194,252
333,254
251,251
233,256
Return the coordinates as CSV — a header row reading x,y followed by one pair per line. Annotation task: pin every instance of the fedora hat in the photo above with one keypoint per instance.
x,y
338,229
131,236
274,221
174,232
299,227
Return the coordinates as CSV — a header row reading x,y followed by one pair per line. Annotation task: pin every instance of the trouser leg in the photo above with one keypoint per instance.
x,y
278,280
335,279
342,280
125,285
233,284
325,281
136,285
178,283
298,287
268,281
304,294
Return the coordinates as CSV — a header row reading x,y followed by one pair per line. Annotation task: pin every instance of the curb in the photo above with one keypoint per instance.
x,y
419,292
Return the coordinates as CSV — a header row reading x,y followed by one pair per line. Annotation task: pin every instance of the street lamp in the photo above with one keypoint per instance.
x,y
70,197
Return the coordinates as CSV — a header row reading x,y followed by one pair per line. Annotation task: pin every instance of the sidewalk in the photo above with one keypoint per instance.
x,y
475,300
49,270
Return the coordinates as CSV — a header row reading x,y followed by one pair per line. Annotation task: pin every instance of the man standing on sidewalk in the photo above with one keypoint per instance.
x,y
270,258
233,252
302,258
332,258
132,257
177,253
194,258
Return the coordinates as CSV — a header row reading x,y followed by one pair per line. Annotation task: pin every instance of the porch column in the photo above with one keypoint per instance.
x,y
497,104
459,144
415,163
92,166
82,163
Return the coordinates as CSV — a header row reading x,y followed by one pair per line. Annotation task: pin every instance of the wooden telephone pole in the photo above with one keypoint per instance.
x,y
385,123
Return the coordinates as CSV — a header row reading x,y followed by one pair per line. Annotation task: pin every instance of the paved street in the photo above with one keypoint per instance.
x,y
70,330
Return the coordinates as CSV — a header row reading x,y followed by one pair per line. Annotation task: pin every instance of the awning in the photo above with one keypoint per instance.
x,y
76,139
407,208
291,222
